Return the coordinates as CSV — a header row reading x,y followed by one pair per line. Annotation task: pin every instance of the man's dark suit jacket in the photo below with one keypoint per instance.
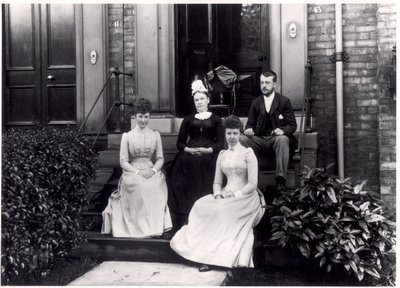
x,y
280,107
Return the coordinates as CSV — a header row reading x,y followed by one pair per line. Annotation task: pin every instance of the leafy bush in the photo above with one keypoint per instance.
x,y
45,175
340,224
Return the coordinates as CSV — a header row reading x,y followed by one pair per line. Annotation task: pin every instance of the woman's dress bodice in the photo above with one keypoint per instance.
x,y
201,133
138,147
239,165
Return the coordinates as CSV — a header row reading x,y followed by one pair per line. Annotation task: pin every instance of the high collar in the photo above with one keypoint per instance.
x,y
235,148
203,115
140,130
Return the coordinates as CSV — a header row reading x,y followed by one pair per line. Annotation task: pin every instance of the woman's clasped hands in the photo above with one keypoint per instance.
x,y
198,150
146,173
224,194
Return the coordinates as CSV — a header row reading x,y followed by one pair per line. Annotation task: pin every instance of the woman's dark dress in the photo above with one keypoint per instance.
x,y
192,176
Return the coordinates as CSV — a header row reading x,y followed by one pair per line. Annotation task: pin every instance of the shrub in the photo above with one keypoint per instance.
x,y
339,224
45,175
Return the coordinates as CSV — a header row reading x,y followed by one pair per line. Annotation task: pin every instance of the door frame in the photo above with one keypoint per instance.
x,y
79,63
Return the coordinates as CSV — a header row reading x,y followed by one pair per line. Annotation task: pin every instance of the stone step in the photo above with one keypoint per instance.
x,y
108,248
110,159
311,140
168,123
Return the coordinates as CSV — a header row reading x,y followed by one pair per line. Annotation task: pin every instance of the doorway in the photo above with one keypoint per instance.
x,y
40,65
233,35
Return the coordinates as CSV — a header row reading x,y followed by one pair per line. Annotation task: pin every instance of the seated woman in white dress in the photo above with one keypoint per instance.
x,y
220,227
139,207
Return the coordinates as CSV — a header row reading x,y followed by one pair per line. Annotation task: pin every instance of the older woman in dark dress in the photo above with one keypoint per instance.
x,y
200,139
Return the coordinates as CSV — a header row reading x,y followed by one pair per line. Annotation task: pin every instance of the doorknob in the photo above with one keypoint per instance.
x,y
262,58
50,77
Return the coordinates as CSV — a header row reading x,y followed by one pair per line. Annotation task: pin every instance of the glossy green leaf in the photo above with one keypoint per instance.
x,y
373,272
331,194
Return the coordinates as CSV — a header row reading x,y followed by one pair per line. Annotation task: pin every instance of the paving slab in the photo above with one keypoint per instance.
x,y
123,273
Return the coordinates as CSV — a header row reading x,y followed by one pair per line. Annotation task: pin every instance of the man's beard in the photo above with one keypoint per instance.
x,y
267,93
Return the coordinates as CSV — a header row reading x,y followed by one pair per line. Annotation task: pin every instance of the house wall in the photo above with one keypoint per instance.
x,y
369,109
121,45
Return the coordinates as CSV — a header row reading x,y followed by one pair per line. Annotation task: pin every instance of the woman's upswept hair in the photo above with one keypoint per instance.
x,y
142,106
199,87
233,122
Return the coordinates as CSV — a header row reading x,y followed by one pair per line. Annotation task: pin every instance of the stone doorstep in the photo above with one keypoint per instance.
x,y
149,274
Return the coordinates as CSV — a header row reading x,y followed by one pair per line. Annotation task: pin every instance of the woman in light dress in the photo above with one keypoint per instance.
x,y
139,207
220,227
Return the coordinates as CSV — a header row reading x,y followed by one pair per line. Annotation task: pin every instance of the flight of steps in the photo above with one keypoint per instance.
x,y
108,248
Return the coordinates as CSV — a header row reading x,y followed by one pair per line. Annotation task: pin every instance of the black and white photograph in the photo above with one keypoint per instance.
x,y
199,143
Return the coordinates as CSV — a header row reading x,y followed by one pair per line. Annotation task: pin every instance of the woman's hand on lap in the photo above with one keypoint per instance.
x,y
203,150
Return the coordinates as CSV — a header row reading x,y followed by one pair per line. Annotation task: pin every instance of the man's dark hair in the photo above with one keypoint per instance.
x,y
270,73
142,106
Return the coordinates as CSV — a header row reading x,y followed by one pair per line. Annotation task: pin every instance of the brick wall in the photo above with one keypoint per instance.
x,y
386,38
129,57
369,111
321,44
361,93
121,39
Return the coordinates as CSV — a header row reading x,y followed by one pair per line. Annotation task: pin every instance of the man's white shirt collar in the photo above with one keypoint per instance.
x,y
268,101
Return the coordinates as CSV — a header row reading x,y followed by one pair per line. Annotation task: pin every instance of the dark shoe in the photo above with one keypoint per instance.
x,y
280,183
168,235
204,268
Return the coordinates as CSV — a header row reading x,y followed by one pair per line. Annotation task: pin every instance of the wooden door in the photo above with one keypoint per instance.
x,y
195,51
40,65
233,35
243,46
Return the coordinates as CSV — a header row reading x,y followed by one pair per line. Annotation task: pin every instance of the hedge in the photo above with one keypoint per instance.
x,y
45,176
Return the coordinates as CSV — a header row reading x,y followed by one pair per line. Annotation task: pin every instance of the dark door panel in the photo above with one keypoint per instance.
x,y
21,105
59,104
22,77
21,37
59,29
248,88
